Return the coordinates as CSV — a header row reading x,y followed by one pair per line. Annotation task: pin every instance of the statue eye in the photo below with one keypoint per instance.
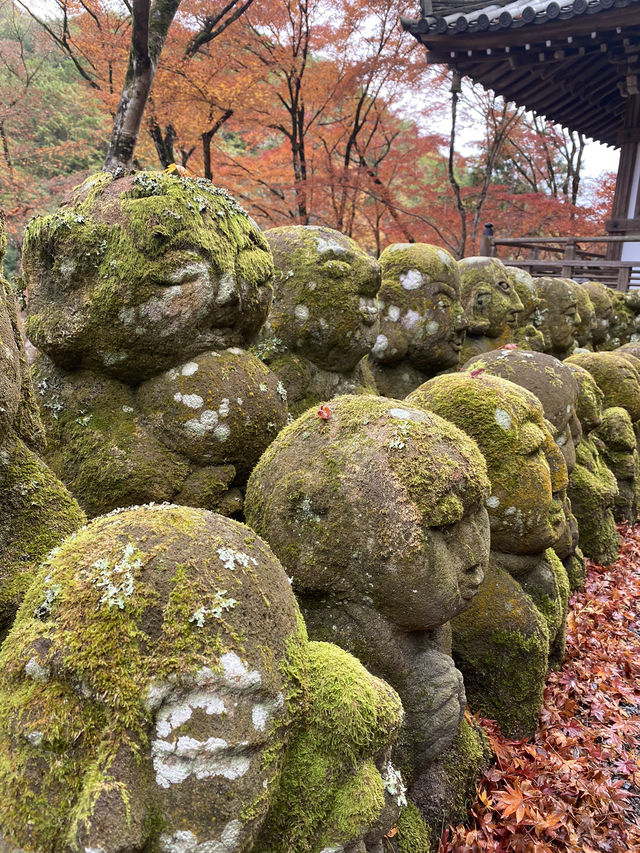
x,y
483,299
504,286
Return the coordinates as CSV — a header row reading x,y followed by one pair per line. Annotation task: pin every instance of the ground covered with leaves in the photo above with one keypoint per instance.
x,y
576,785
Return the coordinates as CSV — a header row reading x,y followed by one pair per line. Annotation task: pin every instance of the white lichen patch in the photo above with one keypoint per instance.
x,y
184,841
281,391
199,426
189,368
493,502
128,410
193,401
393,784
301,313
381,344
262,712
410,319
221,432
237,673
503,419
368,307
393,313
432,327
175,713
231,558
411,279
51,592
117,581
407,415
561,440
176,761
219,605
36,671
327,244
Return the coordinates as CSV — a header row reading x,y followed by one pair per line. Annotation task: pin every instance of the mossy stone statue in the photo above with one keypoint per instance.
x,y
36,511
324,316
623,321
620,454
158,693
491,304
142,291
617,374
515,626
588,319
525,334
592,487
600,297
422,324
554,385
377,512
557,314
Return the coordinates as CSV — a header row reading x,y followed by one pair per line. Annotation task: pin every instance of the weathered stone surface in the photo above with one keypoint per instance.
x,y
141,290
491,304
621,457
525,334
592,486
377,513
36,511
133,275
587,315
160,656
600,297
422,324
515,626
623,321
557,315
617,374
324,316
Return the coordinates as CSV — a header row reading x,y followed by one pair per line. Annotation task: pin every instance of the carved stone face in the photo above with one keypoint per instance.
x,y
601,300
325,289
134,274
363,508
617,374
156,658
557,315
421,318
489,297
526,468
587,314
590,398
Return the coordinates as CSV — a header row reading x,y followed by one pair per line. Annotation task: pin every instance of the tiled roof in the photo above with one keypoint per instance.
x,y
456,17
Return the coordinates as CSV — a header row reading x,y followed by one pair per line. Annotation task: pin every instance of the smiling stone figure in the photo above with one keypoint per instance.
x,y
557,315
422,324
377,512
515,627
142,292
491,304
158,693
324,317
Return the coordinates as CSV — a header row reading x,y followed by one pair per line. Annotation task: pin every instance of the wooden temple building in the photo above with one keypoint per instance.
x,y
577,64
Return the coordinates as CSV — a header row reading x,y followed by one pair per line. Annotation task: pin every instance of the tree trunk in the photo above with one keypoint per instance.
x,y
163,142
207,136
150,24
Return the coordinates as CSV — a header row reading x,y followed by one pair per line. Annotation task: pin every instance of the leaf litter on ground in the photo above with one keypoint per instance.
x,y
575,786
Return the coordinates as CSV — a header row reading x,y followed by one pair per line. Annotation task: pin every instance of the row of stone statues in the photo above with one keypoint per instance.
x,y
158,690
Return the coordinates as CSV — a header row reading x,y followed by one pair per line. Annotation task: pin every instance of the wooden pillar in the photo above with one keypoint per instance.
x,y
625,217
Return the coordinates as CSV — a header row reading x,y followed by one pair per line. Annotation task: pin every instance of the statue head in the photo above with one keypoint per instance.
x,y
600,297
552,383
324,305
623,321
618,377
525,334
161,657
590,398
489,297
526,469
421,318
587,314
557,314
134,274
377,503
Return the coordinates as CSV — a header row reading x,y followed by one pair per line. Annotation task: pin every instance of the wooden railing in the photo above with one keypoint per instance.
x,y
574,261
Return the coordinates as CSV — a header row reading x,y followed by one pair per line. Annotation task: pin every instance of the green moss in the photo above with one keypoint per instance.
x,y
413,834
616,376
352,715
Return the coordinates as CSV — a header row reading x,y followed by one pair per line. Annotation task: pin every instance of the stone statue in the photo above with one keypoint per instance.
x,y
588,319
515,626
554,385
617,375
142,291
600,297
526,335
592,486
557,315
422,324
324,317
376,510
36,511
158,692
491,304
623,321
